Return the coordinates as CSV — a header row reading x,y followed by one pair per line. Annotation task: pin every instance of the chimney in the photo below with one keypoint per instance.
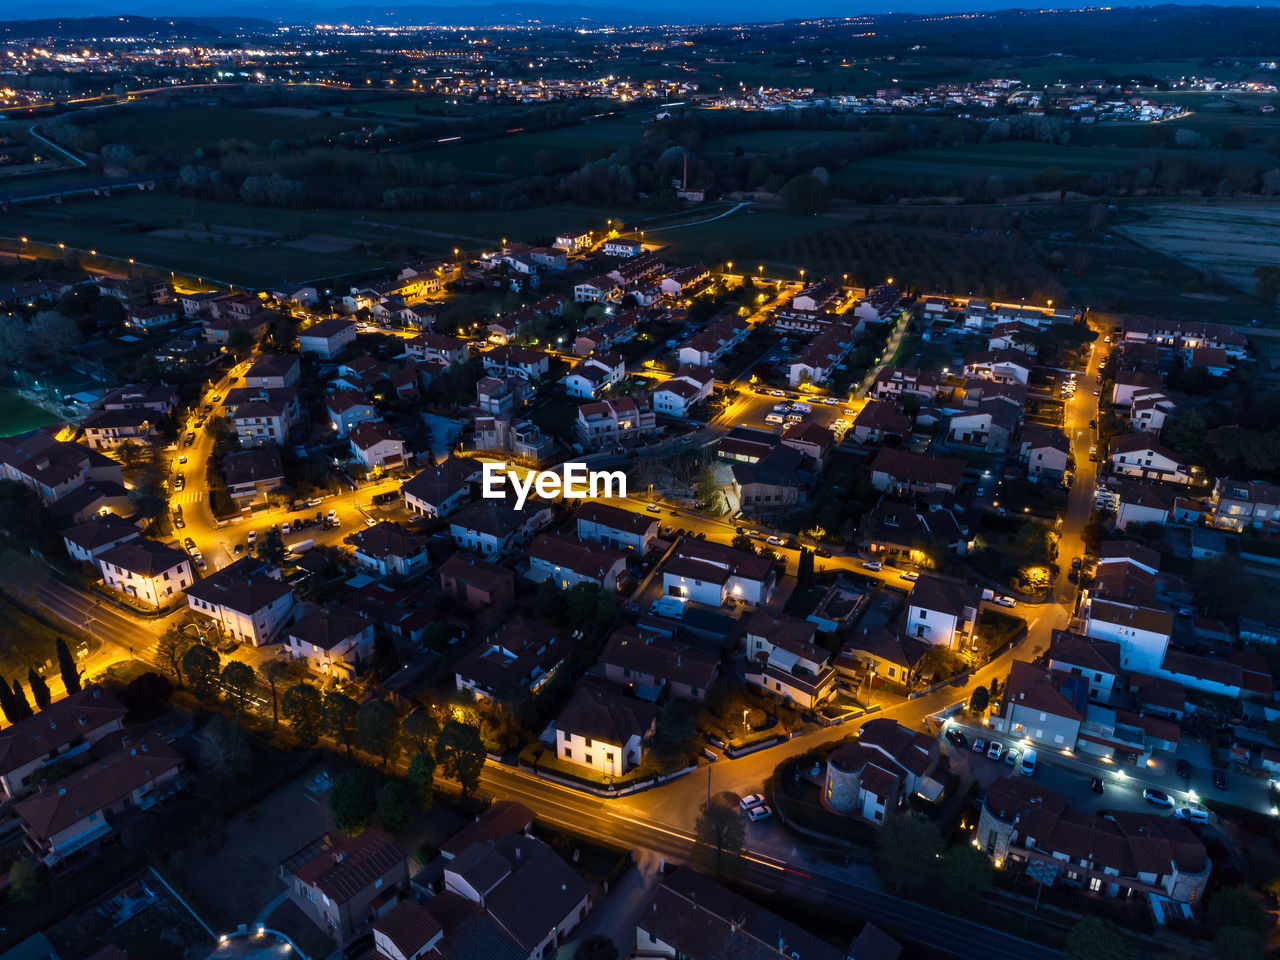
x,y
519,854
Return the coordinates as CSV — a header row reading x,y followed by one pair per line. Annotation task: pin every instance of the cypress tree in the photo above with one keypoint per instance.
x,y
39,689
67,666
20,704
6,702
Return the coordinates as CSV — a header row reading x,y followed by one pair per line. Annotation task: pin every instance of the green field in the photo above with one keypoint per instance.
x,y
1015,159
754,142
573,146
19,416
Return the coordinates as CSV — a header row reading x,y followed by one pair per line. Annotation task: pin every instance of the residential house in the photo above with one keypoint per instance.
x,y
492,527
69,815
1140,455
594,375
108,429
894,382
1245,505
597,289
440,489
477,585
387,548
53,468
647,662
811,439
778,480
824,354
906,474
332,640
712,573
1152,858
146,569
615,527
1143,632
943,610
1128,383
680,282
1097,661
158,398
67,729
872,776
1045,450
687,387
506,361
1148,411
877,654
1045,707
879,421
378,445
252,474
495,396
342,885
1142,503
1010,366
782,659
706,347
613,421
86,541
603,730
520,657
346,408
328,338
568,561
152,316
248,599
263,414
424,346
274,371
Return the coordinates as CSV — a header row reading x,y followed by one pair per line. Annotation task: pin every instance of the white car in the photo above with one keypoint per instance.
x,y
872,564
775,541
756,814
1005,602
910,575
777,393
253,537
748,803
995,749
333,514
653,508
1157,797
1192,814
284,528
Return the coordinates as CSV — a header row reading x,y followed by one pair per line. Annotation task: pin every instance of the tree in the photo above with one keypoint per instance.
x,y
707,490
718,837
979,700
238,681
596,947
271,548
200,667
170,648
26,880
673,733
804,195
1238,943
39,689
379,726
906,848
549,603
1094,938
940,663
460,752
7,705
301,707
744,542
418,731
67,667
340,715
964,874
53,334
20,704
272,672
395,806
146,695
224,751
353,799
422,775
1236,907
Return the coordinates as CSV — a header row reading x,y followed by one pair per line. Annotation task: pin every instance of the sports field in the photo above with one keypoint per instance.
x,y
19,416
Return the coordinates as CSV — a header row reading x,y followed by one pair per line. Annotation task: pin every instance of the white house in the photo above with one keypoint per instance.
x,y
1141,455
328,338
440,489
942,610
332,640
614,527
248,599
87,541
377,444
1142,632
594,375
567,562
1009,366
688,387
147,570
346,408
783,660
711,573
387,548
602,730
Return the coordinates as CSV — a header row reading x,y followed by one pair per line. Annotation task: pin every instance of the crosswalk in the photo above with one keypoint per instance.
x,y
184,498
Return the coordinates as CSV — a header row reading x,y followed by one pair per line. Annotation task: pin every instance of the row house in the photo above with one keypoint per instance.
x,y
682,282
705,348
822,356
567,562
1187,335
1248,505
85,541
597,289
623,247
507,361
248,600
614,421
67,729
54,468
607,333
637,269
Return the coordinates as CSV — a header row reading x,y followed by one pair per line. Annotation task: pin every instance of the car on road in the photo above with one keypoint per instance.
x,y
189,544
1005,602
1093,424
1011,756
1096,785
178,522
979,746
653,508
756,814
871,564
253,537
994,751
189,439
1157,797
216,398
909,575
753,534
754,800
179,482
199,563
182,458
1184,769
286,527
775,541
822,552
1219,780
1192,814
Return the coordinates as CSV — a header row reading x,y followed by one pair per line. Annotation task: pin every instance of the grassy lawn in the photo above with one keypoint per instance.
x,y
27,642
19,416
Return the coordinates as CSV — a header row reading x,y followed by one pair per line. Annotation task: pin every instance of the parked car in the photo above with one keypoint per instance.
x,y
189,439
1157,797
1192,814
333,514
189,544
1219,780
1184,769
1096,784
1011,756
994,751
179,482
872,564
822,552
253,537
958,738
286,527
910,575
653,508
1005,602
756,814
1028,766
178,522
775,541
754,800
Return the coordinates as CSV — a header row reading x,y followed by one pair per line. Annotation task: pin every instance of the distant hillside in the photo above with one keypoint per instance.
x,y
90,27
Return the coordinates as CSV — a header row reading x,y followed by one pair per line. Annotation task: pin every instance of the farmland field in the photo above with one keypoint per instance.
x,y
754,142
1225,239
573,145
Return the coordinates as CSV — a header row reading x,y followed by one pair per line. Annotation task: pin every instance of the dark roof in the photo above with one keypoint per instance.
x,y
917,468
944,594
520,649
245,586
410,926
253,466
599,712
471,569
1097,656
438,483
1049,691
503,816
346,868
661,656
107,528
616,518
387,539
915,751
57,725
328,627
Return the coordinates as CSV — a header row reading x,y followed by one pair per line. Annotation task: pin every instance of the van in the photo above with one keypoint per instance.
x,y
302,546
988,594
774,418
671,607
1028,763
